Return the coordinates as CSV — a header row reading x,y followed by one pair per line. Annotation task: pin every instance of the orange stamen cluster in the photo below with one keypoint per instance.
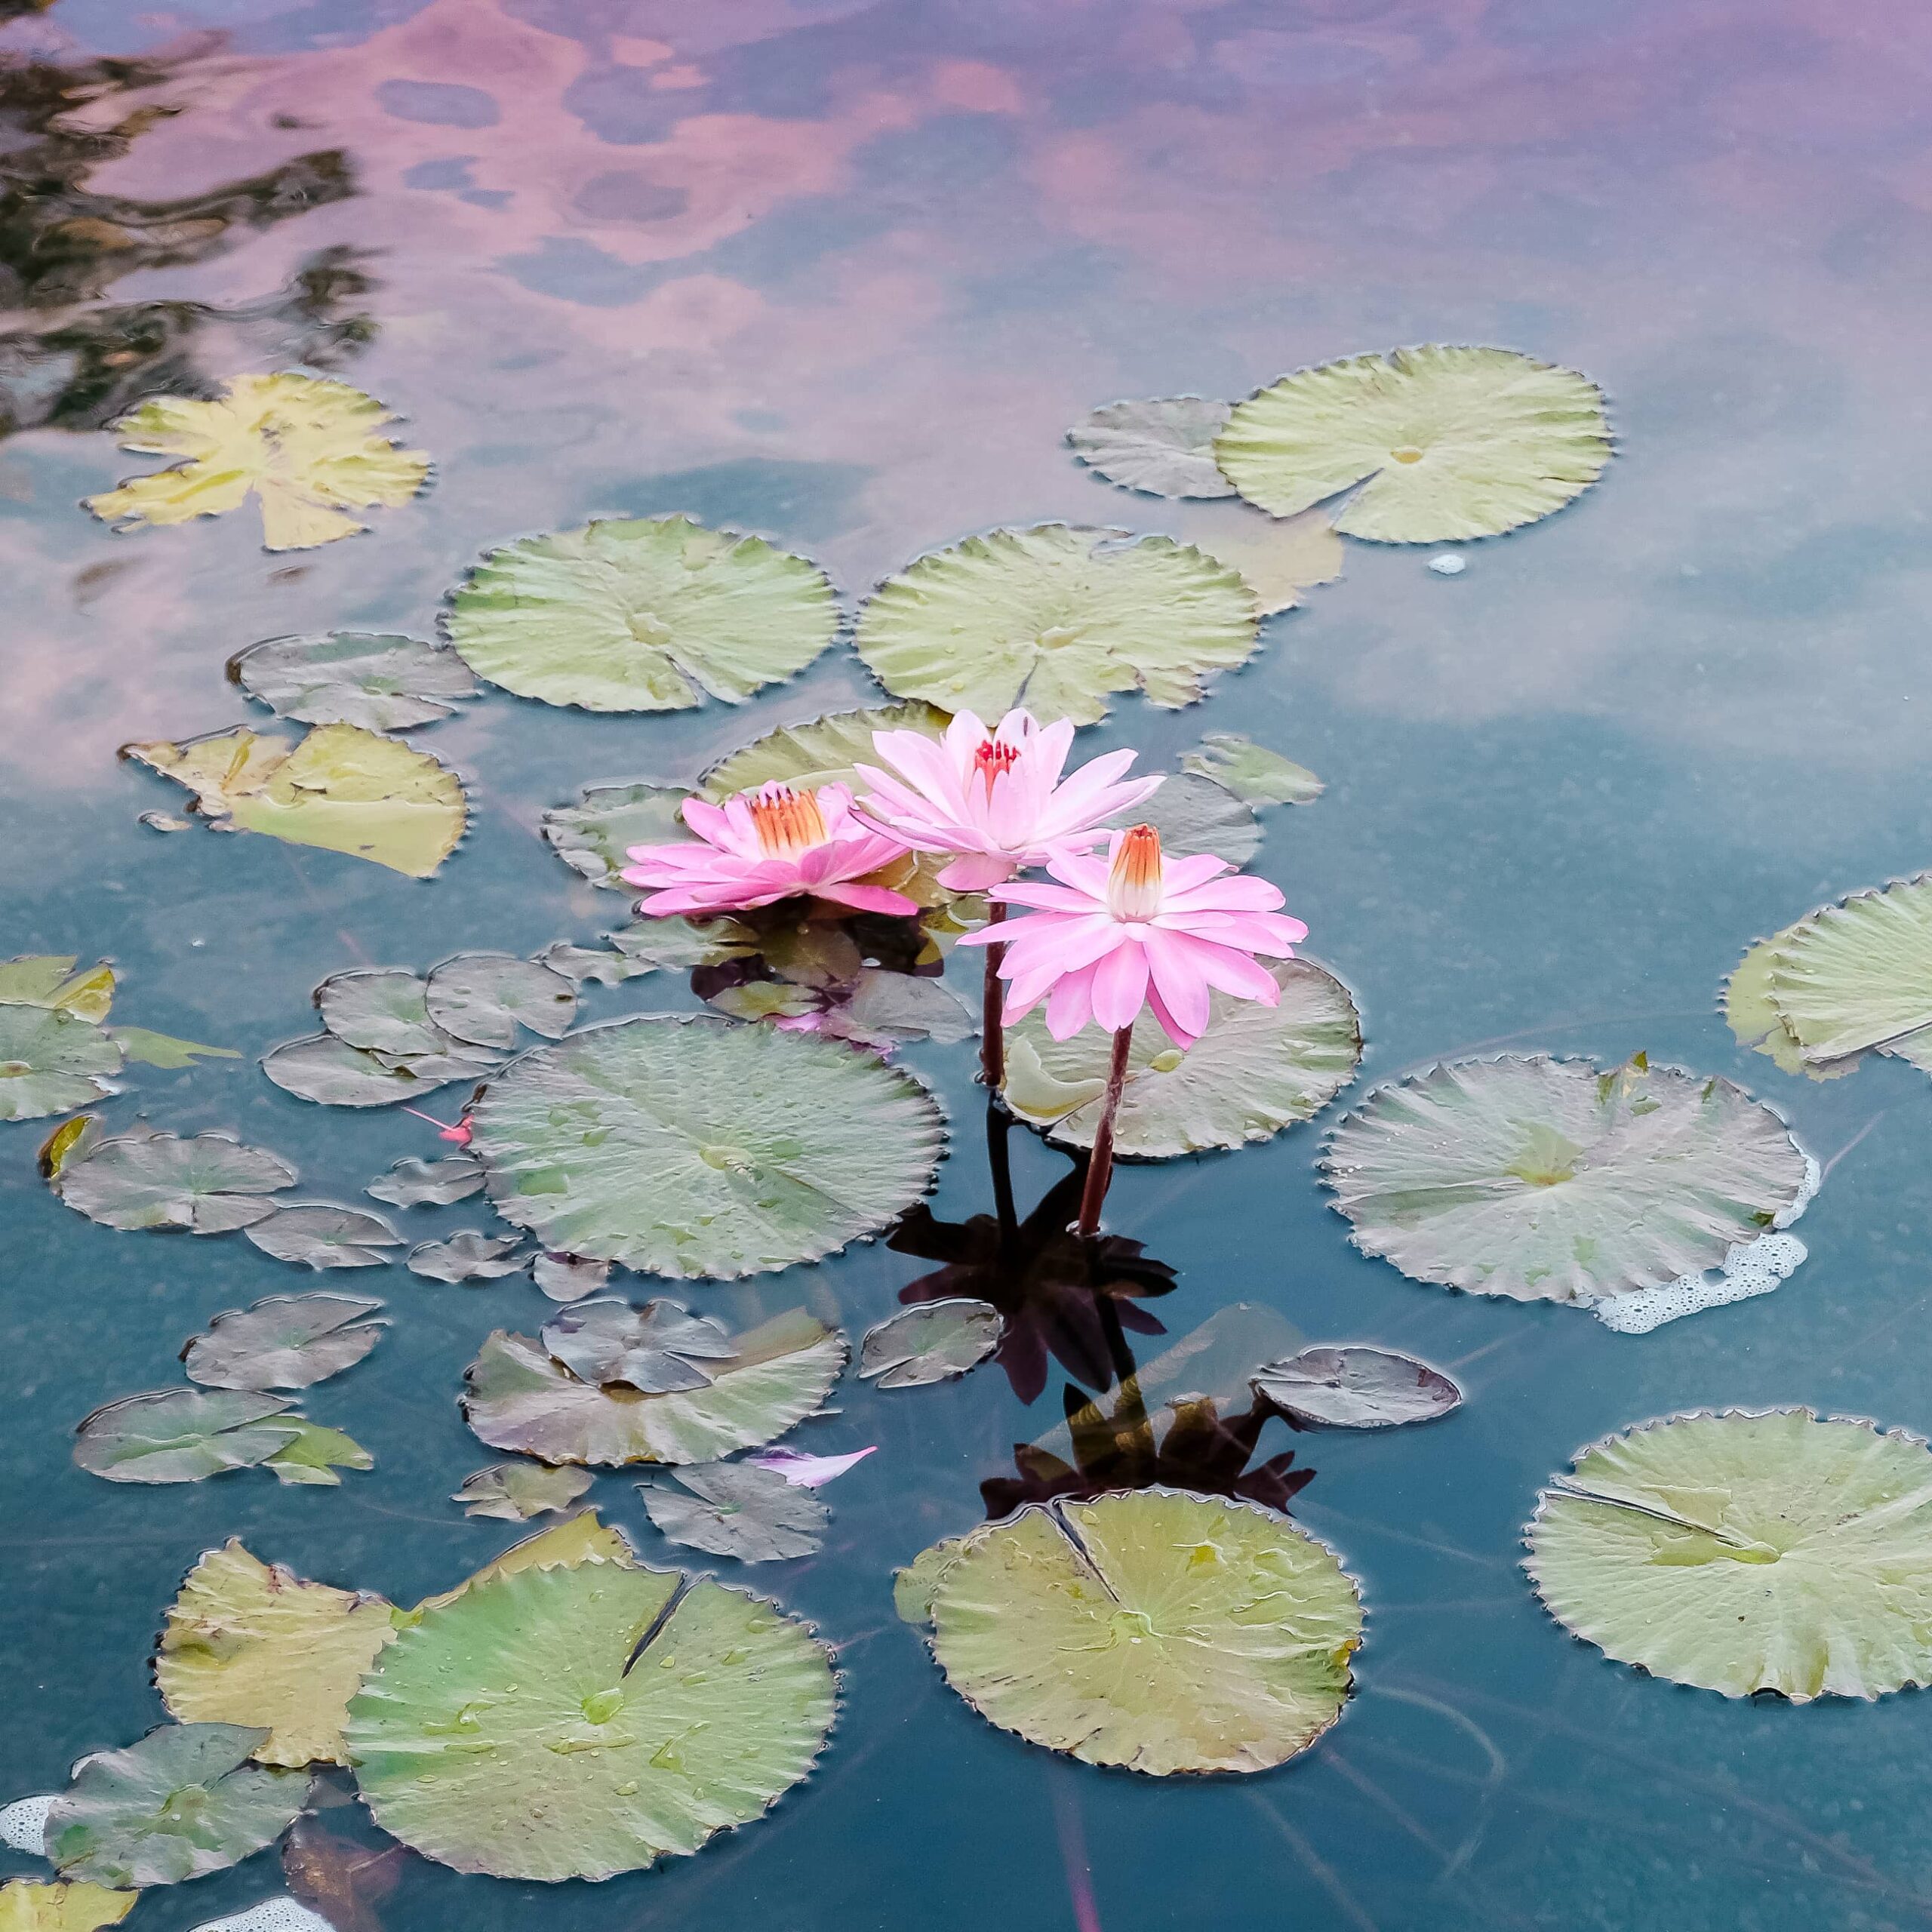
x,y
1133,882
993,758
787,822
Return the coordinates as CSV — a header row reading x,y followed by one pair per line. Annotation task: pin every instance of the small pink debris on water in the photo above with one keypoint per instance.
x,y
456,1131
804,1471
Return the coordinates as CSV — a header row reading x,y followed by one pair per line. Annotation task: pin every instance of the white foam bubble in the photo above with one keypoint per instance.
x,y
23,1823
282,1915
1750,1268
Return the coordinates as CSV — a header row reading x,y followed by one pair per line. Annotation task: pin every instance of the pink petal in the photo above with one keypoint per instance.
x,y
1174,1030
804,1471
1070,1004
1242,892
1188,874
1050,898
866,898
975,871
1179,981
1120,985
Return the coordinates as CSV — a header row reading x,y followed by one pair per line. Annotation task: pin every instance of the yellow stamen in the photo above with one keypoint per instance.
x,y
1133,884
787,822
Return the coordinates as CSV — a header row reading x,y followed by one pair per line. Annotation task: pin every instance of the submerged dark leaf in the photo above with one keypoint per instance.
x,y
286,1342
183,1802
341,1879
655,1349
736,1509
209,1183
383,683
318,1234
932,1341
1356,1388
164,1051
467,1255
412,1183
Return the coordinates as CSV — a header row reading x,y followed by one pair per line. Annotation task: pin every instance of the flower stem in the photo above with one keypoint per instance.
x,y
992,1033
1100,1162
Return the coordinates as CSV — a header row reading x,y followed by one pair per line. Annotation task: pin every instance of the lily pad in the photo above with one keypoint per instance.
x,y
1150,1629
579,1539
340,787
467,1255
332,1073
1257,1070
412,1183
382,1010
931,1341
822,751
1163,447
183,1802
885,1008
736,1509
183,1435
568,1277
1278,558
1193,814
1252,772
656,1349
1356,1388
48,980
381,683
311,449
26,1904
520,1398
1058,619
312,1455
694,1147
532,1729
317,1234
1447,442
516,1491
1852,976
1747,1552
1544,1179
286,1342
642,614
482,997
208,1184
592,837
250,1643
51,1062
163,1050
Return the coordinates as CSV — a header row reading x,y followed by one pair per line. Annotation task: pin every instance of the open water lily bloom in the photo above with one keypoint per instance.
x,y
994,799
1138,928
762,846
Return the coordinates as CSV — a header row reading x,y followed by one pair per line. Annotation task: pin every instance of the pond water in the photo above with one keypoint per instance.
x,y
843,273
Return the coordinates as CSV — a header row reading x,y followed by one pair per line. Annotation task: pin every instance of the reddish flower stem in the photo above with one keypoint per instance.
x,y
993,1033
1100,1162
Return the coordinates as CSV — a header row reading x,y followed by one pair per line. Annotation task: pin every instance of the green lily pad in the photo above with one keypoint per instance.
x,y
318,1234
516,1491
467,1255
1253,773
574,1723
208,1184
1057,619
592,837
520,1397
1447,442
250,1643
1278,558
1852,977
1544,1179
285,1342
822,751
412,1183
51,1062
1193,814
1163,447
693,1147
1747,1552
312,1454
29,1905
1257,1070
340,787
183,1802
381,683
183,1435
736,1509
50,980
482,997
332,1073
1151,1629
932,1341
163,1050
381,1010
640,614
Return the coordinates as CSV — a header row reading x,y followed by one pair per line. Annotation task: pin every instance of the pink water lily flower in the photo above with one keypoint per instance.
x,y
769,844
994,800
1136,928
